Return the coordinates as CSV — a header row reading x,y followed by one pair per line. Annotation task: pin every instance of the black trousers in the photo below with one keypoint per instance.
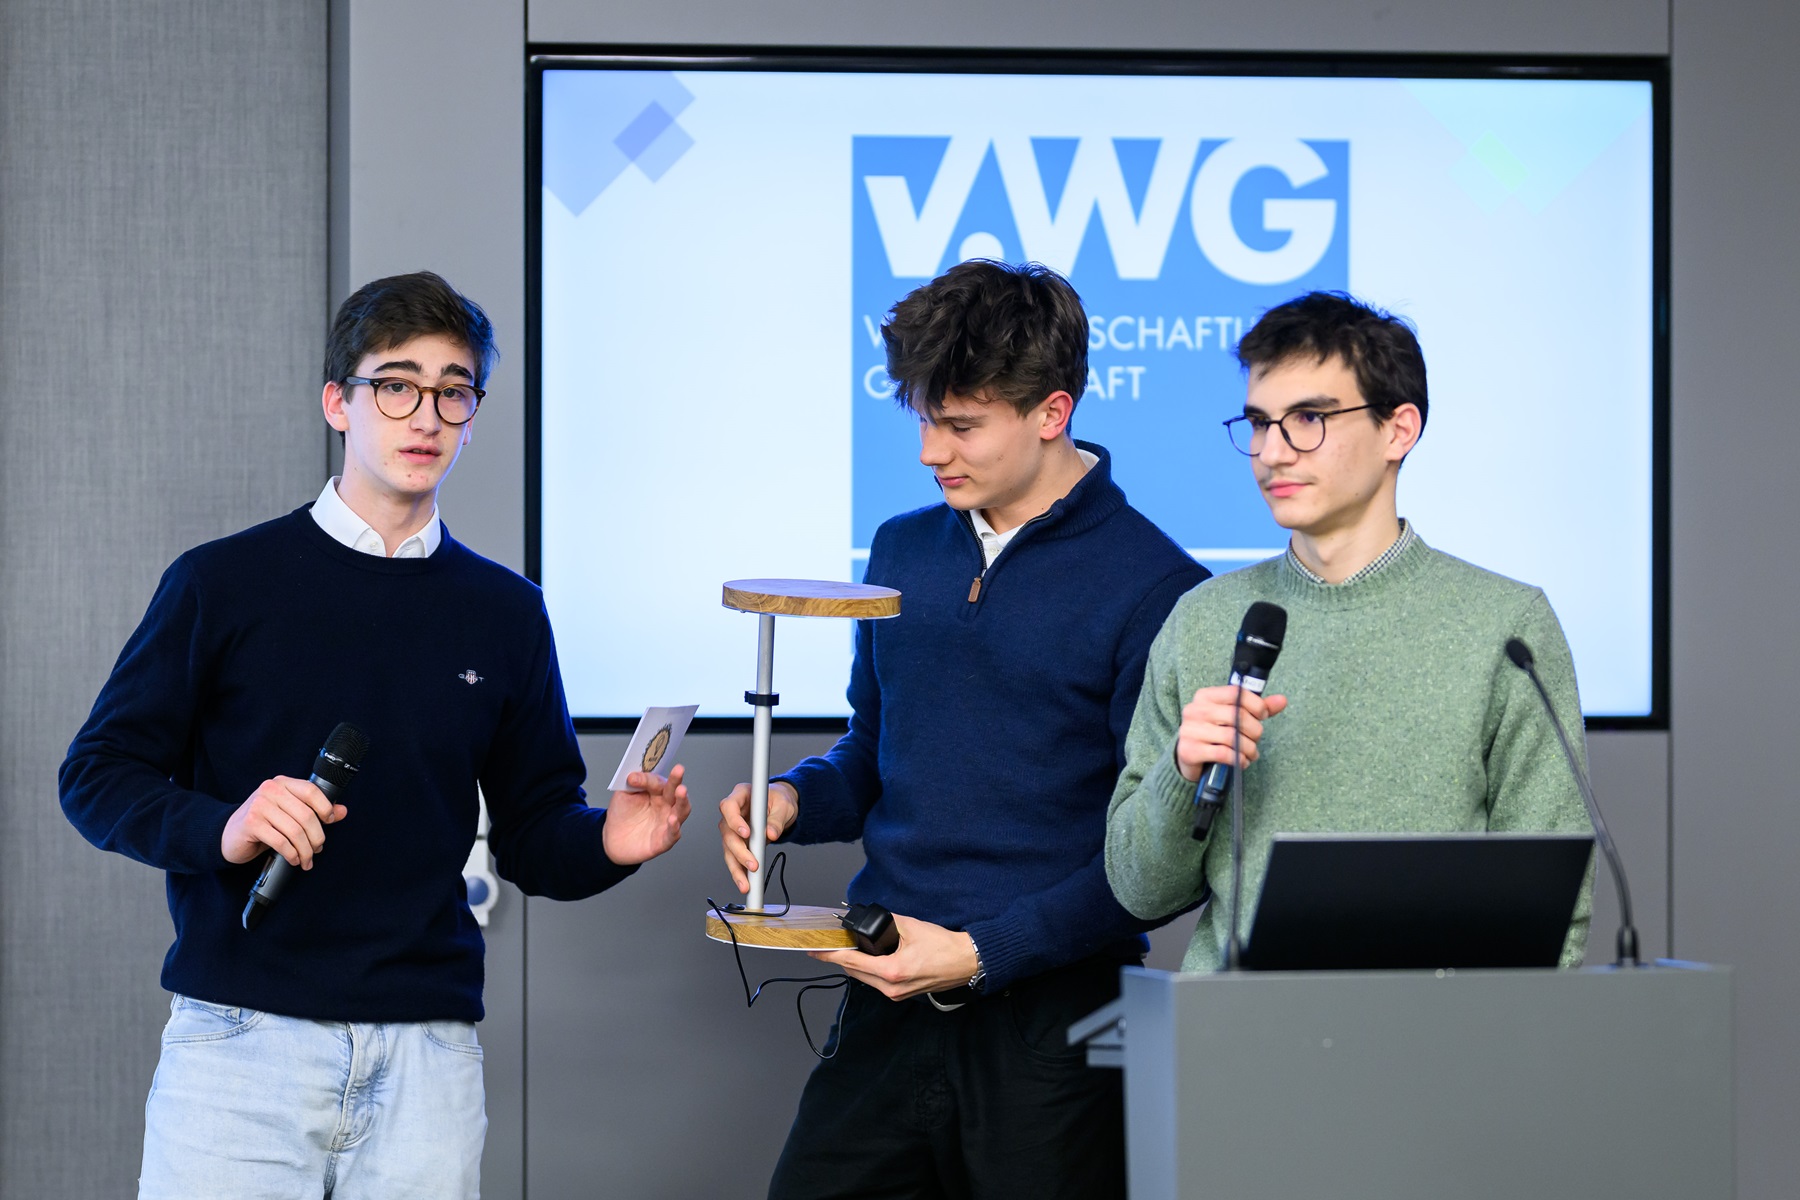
x,y
984,1103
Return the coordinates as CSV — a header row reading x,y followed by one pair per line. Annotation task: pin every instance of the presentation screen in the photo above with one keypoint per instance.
x,y
718,242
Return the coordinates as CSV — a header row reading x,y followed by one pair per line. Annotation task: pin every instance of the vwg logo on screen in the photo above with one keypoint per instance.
x,y
916,230
1175,244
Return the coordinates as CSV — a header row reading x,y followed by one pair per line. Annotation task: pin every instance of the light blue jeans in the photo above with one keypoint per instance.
x,y
247,1105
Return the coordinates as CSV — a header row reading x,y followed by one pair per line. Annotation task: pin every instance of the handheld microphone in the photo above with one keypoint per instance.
x,y
337,764
1258,645
1520,654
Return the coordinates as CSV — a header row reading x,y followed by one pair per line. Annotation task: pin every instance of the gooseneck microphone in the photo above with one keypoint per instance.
x,y
1258,645
337,764
1520,654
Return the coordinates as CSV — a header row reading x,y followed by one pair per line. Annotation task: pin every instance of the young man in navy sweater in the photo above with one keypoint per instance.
x,y
989,725
331,1050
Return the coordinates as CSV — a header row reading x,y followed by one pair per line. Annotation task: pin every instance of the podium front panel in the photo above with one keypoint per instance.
x,y
1509,1085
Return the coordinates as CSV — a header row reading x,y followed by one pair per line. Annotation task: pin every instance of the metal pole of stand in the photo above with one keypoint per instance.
x,y
759,759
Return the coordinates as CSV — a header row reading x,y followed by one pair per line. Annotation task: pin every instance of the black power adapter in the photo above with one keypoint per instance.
x,y
872,928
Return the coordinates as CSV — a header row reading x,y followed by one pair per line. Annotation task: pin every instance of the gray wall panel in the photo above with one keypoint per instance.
x,y
162,233
1467,26
1736,821
1631,781
434,182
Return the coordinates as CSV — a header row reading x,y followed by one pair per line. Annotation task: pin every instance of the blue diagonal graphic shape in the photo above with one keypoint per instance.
x,y
644,129
1055,158
663,150
584,112
1137,159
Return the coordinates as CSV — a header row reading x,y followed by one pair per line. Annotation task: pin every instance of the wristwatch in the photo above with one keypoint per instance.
x,y
978,981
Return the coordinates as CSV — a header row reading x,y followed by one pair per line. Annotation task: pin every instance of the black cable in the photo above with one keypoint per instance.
x,y
813,983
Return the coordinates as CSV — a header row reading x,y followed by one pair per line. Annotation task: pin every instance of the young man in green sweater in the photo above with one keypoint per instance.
x,y
1392,707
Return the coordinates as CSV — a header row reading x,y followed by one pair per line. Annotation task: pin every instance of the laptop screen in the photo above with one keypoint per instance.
x,y
1417,901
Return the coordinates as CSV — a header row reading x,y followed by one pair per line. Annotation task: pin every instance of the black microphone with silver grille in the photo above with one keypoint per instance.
x,y
337,764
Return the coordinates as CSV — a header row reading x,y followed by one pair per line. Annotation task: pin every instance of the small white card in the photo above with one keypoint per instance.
x,y
654,744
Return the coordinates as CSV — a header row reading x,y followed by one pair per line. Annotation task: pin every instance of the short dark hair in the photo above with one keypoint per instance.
x,y
1380,348
392,311
987,329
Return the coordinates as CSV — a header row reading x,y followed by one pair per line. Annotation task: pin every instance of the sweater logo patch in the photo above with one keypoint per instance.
x,y
470,678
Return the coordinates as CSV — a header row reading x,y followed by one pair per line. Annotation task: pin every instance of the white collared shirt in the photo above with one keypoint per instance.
x,y
336,518
993,543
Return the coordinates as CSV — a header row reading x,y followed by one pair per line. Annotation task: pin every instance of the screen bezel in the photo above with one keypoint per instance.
x,y
1651,70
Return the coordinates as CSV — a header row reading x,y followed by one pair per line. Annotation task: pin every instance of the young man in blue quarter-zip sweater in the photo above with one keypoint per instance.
x,y
988,726
331,1050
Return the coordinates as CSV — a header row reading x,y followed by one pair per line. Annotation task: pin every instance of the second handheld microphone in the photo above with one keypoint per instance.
x,y
337,764
1258,645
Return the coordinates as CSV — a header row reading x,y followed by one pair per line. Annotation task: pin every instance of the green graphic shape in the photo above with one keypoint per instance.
x,y
1531,139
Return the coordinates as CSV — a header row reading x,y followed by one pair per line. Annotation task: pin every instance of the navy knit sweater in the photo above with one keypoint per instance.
x,y
253,648
989,726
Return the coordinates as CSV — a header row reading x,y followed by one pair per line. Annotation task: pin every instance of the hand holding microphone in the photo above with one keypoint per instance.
x,y
285,815
289,815
1221,726
1204,739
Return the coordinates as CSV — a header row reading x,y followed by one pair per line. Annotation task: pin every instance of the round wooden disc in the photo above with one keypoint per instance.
x,y
801,927
811,598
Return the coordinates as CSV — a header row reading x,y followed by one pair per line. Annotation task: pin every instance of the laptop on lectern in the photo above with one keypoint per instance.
x,y
1356,902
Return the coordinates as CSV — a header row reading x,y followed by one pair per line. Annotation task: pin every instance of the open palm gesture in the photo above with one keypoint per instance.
x,y
645,822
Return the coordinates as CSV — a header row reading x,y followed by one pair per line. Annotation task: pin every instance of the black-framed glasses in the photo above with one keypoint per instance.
x,y
1305,434
399,399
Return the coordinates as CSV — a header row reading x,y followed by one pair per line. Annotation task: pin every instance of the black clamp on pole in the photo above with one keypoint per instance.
x,y
762,699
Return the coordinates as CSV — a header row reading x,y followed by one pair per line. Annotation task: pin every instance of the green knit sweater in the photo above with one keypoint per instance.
x,y
1403,715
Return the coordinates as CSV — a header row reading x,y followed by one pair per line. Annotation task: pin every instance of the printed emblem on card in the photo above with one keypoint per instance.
x,y
659,745
656,740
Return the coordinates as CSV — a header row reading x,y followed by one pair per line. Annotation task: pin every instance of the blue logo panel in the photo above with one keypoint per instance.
x,y
1176,247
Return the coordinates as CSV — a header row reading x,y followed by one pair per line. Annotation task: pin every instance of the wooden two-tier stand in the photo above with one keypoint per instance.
x,y
801,926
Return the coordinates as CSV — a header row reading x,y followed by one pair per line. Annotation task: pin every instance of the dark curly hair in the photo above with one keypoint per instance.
x,y
989,330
